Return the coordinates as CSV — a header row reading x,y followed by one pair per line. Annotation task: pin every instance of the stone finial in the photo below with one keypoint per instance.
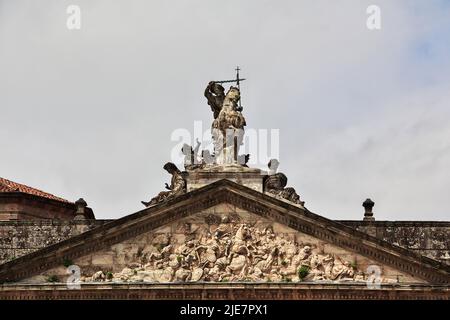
x,y
368,206
81,209
273,166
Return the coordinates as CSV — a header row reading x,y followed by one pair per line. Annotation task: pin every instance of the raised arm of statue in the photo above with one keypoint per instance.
x,y
197,147
215,94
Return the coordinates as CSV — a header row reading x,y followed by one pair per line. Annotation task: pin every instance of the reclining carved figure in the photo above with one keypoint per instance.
x,y
176,188
275,184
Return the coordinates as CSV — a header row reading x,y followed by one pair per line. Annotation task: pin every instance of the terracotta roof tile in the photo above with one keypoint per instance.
x,y
11,186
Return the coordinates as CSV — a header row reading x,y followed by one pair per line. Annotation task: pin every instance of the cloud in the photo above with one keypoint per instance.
x,y
398,158
361,113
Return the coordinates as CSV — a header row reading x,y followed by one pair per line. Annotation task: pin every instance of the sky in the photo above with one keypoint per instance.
x,y
361,113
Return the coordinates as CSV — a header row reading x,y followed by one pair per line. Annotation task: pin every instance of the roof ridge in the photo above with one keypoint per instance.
x,y
12,186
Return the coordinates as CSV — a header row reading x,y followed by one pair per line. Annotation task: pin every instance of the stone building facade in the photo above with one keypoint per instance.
x,y
220,230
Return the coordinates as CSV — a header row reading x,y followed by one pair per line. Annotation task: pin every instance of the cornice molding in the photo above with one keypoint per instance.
x,y
228,291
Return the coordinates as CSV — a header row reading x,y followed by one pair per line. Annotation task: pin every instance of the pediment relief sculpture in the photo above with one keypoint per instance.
x,y
231,250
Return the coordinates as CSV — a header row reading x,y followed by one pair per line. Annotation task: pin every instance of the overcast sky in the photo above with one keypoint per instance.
x,y
362,113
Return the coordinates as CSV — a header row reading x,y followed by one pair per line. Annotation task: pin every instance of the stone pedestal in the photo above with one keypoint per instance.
x,y
249,177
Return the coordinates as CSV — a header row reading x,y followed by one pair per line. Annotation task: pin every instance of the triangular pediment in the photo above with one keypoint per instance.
x,y
225,232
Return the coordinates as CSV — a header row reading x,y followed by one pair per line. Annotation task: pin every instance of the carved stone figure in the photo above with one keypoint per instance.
x,y
273,166
228,126
207,157
215,94
98,276
243,159
275,185
229,117
191,159
176,188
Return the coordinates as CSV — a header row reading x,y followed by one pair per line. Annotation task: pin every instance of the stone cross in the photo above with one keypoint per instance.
x,y
238,83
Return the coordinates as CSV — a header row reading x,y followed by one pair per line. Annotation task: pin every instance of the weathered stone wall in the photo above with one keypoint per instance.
x,y
428,238
18,238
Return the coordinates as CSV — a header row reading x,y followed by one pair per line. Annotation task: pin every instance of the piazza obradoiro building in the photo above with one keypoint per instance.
x,y
220,230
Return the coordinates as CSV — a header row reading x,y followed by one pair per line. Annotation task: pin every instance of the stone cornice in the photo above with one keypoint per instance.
x,y
387,224
245,198
228,291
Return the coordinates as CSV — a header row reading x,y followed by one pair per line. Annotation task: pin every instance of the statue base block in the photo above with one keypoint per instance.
x,y
249,177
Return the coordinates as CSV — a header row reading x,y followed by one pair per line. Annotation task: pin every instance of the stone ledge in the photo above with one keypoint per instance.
x,y
228,291
249,177
387,223
55,222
